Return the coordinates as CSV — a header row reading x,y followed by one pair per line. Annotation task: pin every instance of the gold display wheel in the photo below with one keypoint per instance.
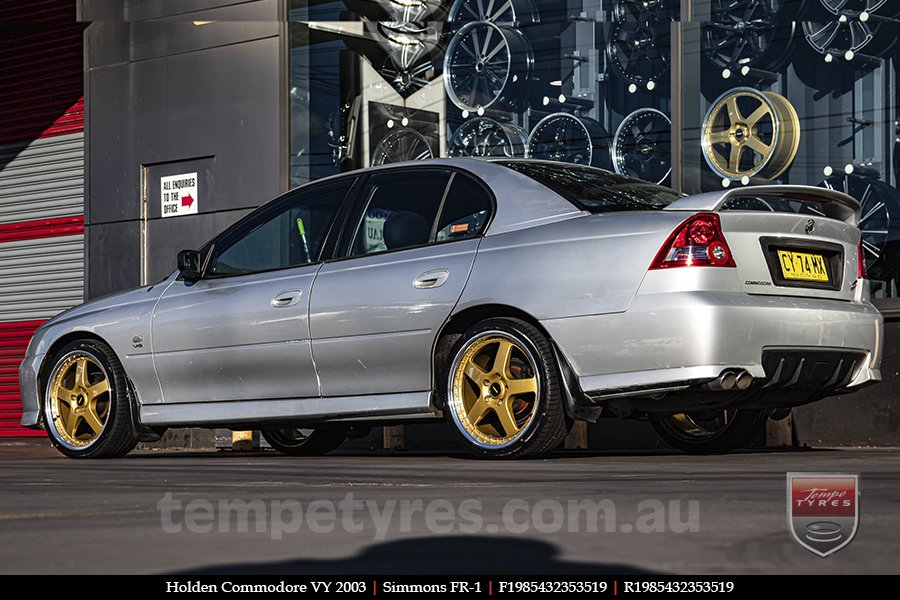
x,y
749,133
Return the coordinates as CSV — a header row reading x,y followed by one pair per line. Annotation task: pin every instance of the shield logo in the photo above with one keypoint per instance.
x,y
823,510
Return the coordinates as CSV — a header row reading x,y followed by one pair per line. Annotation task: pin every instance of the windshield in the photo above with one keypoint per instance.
x,y
596,190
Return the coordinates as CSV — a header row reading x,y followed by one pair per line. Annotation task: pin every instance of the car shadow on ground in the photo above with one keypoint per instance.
x,y
457,555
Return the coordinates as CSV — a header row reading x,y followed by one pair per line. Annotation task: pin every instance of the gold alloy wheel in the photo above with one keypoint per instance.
x,y
688,427
748,133
78,400
494,389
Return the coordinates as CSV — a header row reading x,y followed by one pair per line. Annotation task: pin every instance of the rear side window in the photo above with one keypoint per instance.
x,y
466,210
596,190
397,210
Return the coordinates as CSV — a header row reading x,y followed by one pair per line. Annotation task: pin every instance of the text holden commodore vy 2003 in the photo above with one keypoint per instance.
x,y
511,297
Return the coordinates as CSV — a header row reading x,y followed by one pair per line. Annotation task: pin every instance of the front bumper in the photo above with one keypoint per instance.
x,y
28,391
671,340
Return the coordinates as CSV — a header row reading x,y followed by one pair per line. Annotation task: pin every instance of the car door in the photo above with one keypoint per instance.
x,y
241,332
405,255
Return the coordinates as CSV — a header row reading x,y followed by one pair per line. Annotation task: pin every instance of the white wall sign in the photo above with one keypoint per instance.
x,y
179,195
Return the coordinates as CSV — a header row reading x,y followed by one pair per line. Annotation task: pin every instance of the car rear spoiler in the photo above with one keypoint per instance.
x,y
826,202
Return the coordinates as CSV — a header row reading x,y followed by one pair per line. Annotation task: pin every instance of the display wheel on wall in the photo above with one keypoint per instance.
x,y
566,138
879,221
747,33
643,10
642,146
401,145
639,51
484,137
408,66
849,27
507,12
748,133
487,66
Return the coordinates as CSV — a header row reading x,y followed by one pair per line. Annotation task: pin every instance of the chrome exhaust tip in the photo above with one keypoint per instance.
x,y
744,379
723,382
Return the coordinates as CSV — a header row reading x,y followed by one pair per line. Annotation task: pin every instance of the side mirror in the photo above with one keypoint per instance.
x,y
189,264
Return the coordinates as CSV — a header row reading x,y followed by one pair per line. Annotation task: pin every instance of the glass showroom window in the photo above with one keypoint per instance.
x,y
789,91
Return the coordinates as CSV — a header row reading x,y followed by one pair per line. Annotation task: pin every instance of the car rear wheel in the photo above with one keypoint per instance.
x,y
305,441
503,393
87,410
711,432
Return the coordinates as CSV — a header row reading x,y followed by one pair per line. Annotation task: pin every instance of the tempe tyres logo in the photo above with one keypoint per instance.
x,y
823,510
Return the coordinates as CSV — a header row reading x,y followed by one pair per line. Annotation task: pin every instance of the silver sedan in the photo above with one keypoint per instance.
x,y
509,297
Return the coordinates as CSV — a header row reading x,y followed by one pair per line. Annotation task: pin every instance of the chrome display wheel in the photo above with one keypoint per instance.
x,y
567,138
639,51
878,221
710,431
413,11
487,65
749,133
402,145
494,389
78,400
642,146
508,12
746,33
484,137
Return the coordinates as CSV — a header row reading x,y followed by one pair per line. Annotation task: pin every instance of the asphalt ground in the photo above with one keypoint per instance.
x,y
363,512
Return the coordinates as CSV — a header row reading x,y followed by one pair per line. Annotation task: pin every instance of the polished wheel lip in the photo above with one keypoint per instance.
x,y
517,56
615,152
552,119
456,404
785,134
291,436
53,416
686,427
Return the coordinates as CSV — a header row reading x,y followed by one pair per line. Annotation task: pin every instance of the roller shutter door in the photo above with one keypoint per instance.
x,y
41,181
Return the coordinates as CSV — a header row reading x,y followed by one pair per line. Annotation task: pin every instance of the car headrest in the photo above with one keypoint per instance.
x,y
405,228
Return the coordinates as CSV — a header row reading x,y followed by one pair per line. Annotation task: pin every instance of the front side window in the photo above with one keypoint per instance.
x,y
397,210
290,235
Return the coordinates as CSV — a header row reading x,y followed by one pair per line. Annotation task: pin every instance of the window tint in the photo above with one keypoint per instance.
x,y
596,190
289,235
398,209
466,211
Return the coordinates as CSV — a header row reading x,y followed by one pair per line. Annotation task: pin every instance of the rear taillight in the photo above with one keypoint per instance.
x,y
861,271
698,242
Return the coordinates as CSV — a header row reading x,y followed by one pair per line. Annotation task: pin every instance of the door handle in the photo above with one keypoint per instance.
x,y
431,279
286,299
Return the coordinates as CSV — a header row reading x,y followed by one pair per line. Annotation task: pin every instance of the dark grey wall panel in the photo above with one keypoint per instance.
x,y
222,102
113,257
165,237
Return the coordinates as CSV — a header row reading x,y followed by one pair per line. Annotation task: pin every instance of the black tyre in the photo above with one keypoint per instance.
x,y
305,441
503,392
714,432
86,404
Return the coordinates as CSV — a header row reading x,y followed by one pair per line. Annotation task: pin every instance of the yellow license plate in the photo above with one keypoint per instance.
x,y
802,266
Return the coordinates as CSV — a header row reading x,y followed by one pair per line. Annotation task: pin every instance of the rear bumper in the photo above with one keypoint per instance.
x,y
672,340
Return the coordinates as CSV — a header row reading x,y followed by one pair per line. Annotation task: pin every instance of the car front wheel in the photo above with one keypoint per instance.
x,y
503,396
87,411
712,432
